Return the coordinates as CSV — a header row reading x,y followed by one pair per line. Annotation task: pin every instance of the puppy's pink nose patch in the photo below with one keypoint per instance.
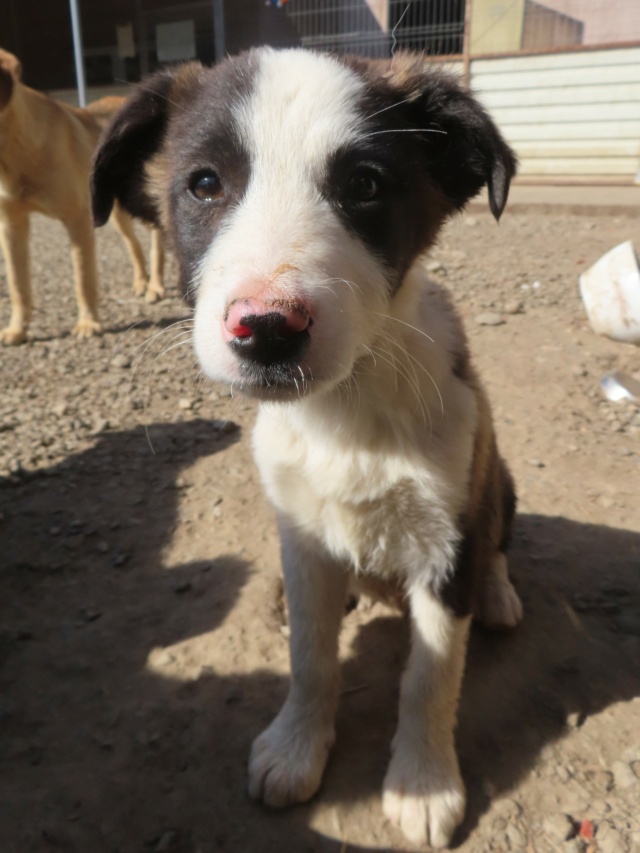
x,y
245,317
241,331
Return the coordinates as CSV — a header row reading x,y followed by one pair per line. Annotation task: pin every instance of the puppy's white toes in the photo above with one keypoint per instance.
x,y
499,605
427,803
287,761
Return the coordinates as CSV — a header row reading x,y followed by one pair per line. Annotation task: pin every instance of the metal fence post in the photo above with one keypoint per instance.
x,y
218,29
466,45
77,52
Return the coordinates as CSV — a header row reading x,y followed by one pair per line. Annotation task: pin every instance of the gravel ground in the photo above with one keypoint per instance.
x,y
143,643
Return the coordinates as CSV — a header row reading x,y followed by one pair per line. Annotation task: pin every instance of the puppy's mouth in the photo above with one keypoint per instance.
x,y
278,381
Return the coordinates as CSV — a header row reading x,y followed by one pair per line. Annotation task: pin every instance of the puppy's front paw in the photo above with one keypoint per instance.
x,y
87,328
426,801
11,337
288,759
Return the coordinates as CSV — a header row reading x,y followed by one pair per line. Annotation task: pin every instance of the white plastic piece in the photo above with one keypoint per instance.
x,y
611,294
618,386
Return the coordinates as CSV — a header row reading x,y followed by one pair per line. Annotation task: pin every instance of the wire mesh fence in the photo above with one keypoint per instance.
x,y
379,27
373,28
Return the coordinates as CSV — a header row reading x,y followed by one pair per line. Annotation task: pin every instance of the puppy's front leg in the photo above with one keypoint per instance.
x,y
423,790
288,759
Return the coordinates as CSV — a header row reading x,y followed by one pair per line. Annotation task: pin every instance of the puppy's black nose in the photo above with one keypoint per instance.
x,y
270,338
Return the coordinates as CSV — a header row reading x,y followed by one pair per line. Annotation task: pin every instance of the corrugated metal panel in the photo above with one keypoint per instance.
x,y
574,114
617,93
570,59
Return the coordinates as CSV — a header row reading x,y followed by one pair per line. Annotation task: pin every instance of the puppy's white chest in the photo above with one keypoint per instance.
x,y
383,513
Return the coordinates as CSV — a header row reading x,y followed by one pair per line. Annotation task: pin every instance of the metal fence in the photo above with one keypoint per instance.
x,y
457,27
376,28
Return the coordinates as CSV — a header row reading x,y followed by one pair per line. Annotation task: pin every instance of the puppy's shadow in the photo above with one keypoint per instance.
x,y
576,652
100,751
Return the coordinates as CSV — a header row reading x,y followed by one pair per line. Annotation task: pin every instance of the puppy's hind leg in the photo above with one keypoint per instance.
x,y
288,759
83,255
14,240
498,604
124,225
423,792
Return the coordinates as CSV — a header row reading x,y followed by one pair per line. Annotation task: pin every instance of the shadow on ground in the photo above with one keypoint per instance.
x,y
97,753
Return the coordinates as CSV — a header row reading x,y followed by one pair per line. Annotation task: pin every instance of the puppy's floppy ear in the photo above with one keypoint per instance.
x,y
10,74
469,152
134,135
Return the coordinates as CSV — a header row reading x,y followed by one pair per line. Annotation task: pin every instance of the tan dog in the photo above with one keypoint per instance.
x,y
45,157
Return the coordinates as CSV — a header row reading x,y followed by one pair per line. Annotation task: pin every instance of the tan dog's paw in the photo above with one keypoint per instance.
x,y
155,293
12,337
140,283
426,802
287,761
87,328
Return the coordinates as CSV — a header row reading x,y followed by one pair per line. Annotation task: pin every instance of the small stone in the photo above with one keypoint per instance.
x,y
609,839
91,615
489,318
166,841
436,267
60,409
517,839
623,775
559,827
470,221
600,780
513,307
535,463
185,404
102,548
55,531
121,360
120,559
629,623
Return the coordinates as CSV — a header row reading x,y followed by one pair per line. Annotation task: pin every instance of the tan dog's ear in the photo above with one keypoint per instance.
x,y
10,73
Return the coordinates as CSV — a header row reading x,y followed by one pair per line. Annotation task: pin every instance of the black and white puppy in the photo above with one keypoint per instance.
x,y
301,192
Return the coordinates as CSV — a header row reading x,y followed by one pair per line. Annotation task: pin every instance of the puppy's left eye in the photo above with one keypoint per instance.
x,y
205,186
363,185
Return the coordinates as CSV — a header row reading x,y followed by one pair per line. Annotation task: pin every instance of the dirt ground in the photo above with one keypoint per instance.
x,y
142,635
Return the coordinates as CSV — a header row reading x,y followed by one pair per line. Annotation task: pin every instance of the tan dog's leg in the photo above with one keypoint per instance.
x,y
288,759
14,240
423,792
156,289
124,224
83,254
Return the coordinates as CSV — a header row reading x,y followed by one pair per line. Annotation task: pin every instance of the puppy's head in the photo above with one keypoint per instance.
x,y
299,189
10,74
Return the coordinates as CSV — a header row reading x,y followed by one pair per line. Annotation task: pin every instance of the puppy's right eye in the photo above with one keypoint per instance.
x,y
205,186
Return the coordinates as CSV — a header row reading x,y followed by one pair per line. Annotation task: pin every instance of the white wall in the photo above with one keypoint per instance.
x,y
571,115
